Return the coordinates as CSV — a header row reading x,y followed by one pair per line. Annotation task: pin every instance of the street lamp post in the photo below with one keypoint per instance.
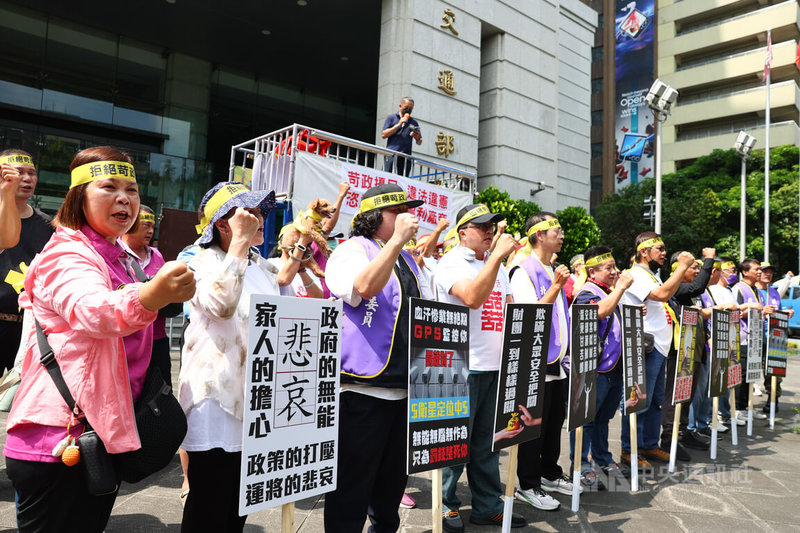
x,y
660,98
744,145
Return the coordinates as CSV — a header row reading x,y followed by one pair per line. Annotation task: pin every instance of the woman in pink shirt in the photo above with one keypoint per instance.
x,y
98,321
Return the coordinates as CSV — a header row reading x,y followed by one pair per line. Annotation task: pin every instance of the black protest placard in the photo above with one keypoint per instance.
x,y
687,355
438,391
720,353
755,344
518,411
584,352
734,353
777,344
633,359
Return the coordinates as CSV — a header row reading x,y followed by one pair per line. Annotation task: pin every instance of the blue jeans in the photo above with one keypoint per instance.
x,y
595,433
648,421
700,408
483,469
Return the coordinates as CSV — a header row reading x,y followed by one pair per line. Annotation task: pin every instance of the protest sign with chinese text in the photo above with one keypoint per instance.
x,y
290,426
520,387
438,390
633,358
734,366
687,355
720,353
777,344
584,352
755,345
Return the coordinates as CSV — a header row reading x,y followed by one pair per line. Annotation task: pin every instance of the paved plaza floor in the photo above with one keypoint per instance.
x,y
754,486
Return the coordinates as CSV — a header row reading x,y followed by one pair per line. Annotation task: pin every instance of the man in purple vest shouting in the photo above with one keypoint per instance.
x,y
375,278
536,280
469,275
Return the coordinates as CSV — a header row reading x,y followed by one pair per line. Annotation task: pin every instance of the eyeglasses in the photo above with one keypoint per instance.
x,y
486,226
397,210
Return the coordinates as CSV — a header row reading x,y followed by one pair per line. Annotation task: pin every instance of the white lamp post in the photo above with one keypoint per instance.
x,y
744,145
660,99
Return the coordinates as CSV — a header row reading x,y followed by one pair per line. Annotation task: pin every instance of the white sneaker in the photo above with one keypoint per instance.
x,y
561,484
537,498
758,415
741,418
757,390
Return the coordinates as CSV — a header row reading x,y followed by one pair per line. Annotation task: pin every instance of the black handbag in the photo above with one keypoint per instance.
x,y
160,422
162,427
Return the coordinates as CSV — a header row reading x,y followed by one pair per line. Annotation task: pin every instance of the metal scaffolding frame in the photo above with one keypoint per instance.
x,y
276,152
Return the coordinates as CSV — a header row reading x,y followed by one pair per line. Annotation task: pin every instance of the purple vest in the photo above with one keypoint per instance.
x,y
613,344
368,329
542,281
749,295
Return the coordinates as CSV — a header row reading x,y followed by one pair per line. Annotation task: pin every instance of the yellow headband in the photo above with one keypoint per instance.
x,y
766,264
649,243
544,225
675,265
144,216
596,260
17,159
381,201
410,245
219,199
475,212
717,264
728,265
101,170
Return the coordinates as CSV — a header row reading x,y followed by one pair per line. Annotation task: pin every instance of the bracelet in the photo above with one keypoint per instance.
x,y
310,283
293,258
300,247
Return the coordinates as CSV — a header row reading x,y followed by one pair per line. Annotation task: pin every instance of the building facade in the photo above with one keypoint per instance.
x,y
713,52
177,83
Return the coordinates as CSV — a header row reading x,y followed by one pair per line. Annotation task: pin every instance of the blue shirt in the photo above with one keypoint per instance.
x,y
402,140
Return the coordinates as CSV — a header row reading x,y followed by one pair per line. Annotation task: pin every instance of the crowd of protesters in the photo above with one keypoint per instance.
x,y
79,277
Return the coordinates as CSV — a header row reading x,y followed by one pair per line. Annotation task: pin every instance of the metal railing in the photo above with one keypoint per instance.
x,y
271,158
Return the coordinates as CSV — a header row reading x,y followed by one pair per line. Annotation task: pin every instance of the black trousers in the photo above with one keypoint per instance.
x,y
213,501
538,458
160,358
372,465
53,497
668,409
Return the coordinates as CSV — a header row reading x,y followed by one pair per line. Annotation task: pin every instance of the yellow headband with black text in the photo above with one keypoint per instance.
x,y
649,243
598,259
98,170
219,199
727,265
16,159
144,216
382,201
475,212
544,225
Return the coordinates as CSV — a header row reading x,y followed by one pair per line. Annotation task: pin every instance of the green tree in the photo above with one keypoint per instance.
x,y
700,207
580,231
516,212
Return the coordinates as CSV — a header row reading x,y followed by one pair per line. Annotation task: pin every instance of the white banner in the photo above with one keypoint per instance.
x,y
319,177
291,421
755,344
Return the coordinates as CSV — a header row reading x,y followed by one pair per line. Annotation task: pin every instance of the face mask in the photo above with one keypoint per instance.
x,y
732,279
654,265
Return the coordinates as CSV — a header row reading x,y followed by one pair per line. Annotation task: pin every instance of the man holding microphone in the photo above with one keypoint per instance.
x,y
400,129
